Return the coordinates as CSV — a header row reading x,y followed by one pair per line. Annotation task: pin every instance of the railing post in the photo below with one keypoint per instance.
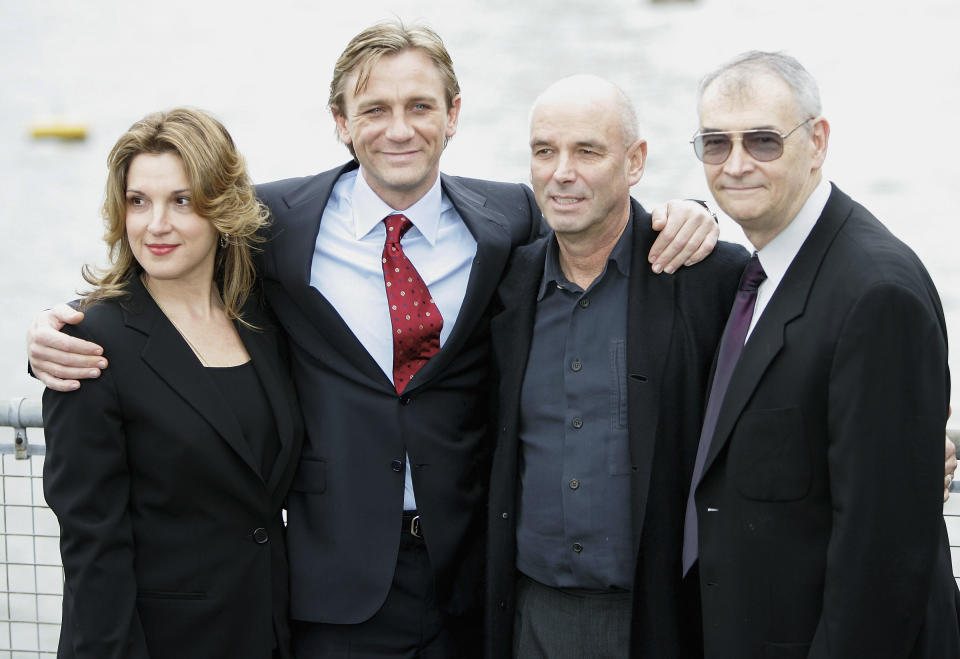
x,y
22,413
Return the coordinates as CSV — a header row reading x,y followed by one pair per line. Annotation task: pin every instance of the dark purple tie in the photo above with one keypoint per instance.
x,y
731,345
415,319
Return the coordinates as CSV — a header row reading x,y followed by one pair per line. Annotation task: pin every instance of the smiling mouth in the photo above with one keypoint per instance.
x,y
566,201
161,249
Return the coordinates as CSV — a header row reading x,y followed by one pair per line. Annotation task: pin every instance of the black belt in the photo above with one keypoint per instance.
x,y
411,523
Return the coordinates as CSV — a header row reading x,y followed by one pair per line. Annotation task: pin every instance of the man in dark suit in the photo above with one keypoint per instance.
x,y
602,370
818,527
386,510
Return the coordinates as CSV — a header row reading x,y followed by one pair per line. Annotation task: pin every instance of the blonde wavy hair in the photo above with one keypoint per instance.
x,y
221,192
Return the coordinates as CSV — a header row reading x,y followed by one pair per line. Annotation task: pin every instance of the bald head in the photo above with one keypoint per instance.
x,y
594,94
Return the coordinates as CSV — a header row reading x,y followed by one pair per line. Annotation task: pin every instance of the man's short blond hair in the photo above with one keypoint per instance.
x,y
388,38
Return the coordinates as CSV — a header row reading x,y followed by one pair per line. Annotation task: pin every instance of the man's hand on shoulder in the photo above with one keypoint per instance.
x,y
59,360
688,234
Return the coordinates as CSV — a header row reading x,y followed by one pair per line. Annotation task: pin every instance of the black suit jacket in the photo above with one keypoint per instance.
x,y
160,499
673,327
821,529
346,500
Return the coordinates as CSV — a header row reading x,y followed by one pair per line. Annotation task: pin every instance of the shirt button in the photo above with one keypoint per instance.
x,y
577,547
505,515
577,422
584,302
574,484
260,536
576,365
396,465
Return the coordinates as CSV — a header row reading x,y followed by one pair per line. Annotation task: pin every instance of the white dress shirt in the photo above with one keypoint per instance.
x,y
778,254
347,266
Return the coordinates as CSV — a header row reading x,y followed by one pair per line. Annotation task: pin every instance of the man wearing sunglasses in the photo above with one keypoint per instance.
x,y
814,522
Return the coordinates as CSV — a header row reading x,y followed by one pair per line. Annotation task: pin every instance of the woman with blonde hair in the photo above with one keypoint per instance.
x,y
168,473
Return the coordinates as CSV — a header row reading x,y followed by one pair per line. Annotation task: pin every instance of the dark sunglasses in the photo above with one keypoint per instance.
x,y
764,145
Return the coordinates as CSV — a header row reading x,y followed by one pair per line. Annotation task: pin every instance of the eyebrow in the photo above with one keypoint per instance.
x,y
581,143
373,102
135,191
743,130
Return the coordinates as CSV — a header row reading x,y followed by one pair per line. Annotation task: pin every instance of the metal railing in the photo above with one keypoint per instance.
x,y
31,579
23,413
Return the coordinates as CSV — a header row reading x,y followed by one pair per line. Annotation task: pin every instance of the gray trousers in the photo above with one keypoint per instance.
x,y
554,623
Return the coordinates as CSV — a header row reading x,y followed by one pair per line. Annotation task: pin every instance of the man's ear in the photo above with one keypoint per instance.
x,y
636,160
343,125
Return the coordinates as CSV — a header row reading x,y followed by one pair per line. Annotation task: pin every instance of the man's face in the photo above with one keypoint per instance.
x,y
763,197
580,168
398,124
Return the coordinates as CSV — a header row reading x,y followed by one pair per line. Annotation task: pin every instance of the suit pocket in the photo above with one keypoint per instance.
x,y
618,441
769,455
311,476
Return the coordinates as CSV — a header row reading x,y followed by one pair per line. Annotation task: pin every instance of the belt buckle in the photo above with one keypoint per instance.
x,y
415,527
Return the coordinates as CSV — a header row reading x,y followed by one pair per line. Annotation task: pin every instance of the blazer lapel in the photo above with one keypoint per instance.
x,y
649,329
262,346
168,355
489,229
787,304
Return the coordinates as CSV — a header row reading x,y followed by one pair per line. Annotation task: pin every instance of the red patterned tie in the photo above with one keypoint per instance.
x,y
415,318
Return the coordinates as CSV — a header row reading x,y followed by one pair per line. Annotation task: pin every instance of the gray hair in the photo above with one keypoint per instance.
x,y
739,70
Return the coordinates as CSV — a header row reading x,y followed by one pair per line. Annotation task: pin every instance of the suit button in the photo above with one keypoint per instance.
x,y
574,484
577,547
577,422
502,604
396,465
260,536
405,400
505,515
576,366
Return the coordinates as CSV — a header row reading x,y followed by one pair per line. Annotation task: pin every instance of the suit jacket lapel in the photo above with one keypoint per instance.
x,y
649,329
788,303
294,243
489,229
169,356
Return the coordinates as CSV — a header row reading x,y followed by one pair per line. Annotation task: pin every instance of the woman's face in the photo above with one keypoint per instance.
x,y
168,238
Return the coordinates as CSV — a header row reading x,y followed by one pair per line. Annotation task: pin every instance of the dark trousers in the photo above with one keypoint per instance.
x,y
409,625
554,623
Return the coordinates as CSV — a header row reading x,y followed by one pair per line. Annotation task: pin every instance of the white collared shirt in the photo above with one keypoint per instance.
x,y
777,255
347,266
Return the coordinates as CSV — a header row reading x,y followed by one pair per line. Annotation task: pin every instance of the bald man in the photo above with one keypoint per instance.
x,y
602,372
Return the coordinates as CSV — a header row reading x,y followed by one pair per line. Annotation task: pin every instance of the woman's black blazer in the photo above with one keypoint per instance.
x,y
172,543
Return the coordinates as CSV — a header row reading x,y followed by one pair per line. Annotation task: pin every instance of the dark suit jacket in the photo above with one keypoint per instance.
x,y
160,500
821,529
673,327
346,500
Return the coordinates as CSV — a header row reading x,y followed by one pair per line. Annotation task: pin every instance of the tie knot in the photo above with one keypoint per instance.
x,y
753,275
397,225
